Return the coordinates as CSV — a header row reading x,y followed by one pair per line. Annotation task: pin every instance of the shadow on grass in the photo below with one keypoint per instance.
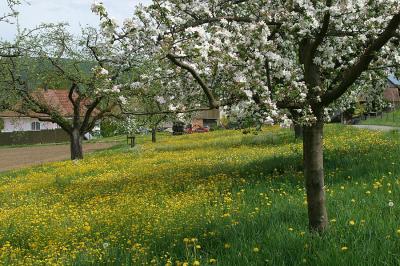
x,y
262,139
278,170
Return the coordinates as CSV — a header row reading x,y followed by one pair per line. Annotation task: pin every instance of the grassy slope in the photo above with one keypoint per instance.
x,y
388,119
239,199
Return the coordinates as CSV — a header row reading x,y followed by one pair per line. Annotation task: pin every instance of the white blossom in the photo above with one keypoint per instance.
x,y
122,100
160,99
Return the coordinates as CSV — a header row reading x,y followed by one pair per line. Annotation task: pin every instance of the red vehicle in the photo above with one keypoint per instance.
x,y
201,129
197,129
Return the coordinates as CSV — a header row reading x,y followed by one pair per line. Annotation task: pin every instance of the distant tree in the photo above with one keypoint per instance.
x,y
87,65
7,49
10,15
153,120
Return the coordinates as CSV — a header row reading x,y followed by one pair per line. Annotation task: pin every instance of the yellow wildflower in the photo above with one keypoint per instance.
x,y
213,261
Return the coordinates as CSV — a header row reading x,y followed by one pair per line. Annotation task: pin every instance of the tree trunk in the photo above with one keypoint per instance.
x,y
154,135
298,128
298,131
76,145
314,176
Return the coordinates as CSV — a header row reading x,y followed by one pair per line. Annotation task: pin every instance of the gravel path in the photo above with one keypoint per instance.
x,y
15,158
379,128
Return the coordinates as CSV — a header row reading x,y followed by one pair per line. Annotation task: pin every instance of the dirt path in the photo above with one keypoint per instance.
x,y
14,158
379,128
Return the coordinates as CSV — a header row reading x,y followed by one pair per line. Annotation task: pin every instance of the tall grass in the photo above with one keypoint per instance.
x,y
221,198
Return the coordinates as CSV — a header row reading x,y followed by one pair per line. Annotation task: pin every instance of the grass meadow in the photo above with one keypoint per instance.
x,y
387,119
221,198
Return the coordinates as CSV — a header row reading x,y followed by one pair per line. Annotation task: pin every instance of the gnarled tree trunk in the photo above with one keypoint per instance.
x,y
76,145
154,135
314,175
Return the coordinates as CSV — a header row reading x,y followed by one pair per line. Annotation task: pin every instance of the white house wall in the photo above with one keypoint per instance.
x,y
13,124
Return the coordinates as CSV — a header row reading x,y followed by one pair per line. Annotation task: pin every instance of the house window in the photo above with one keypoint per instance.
x,y
35,126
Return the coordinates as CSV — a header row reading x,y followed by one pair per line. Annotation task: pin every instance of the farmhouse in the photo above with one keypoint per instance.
x,y
17,122
391,93
19,128
208,118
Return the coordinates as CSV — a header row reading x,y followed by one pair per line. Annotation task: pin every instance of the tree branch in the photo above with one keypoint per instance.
x,y
352,73
211,99
89,112
323,32
170,111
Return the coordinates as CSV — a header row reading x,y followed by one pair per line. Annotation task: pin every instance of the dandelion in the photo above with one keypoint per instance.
x,y
106,245
198,246
87,227
213,261
391,204
344,248
290,229
196,263
256,249
352,222
227,245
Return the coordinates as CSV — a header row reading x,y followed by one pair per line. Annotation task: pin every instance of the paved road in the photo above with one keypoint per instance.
x,y
15,158
379,128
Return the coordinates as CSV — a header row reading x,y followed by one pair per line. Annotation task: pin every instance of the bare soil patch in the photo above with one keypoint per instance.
x,y
15,158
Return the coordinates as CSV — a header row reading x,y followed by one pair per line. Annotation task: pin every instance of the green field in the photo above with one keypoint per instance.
x,y
219,198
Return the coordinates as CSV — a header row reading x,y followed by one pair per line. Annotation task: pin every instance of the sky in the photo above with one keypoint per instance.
x,y
75,12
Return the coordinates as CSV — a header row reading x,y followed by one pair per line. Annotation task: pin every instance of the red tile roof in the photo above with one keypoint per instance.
x,y
56,99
